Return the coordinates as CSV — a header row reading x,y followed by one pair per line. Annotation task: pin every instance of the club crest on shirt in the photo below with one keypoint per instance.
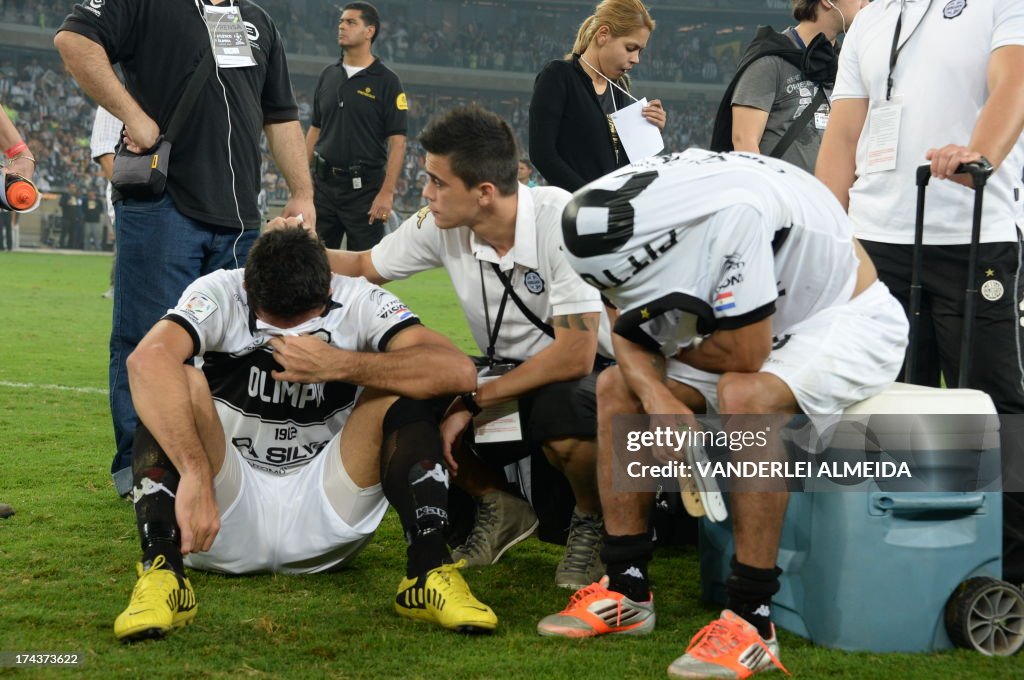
x,y
534,283
954,8
992,290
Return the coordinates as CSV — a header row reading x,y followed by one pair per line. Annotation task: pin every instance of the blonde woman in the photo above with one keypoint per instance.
x,y
572,137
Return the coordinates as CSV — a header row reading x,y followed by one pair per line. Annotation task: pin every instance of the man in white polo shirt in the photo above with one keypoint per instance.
x,y
501,244
948,87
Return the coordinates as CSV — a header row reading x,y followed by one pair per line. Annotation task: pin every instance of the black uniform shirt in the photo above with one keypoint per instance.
x,y
158,44
356,115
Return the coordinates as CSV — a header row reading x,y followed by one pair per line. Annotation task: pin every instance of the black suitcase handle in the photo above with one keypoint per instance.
x,y
979,173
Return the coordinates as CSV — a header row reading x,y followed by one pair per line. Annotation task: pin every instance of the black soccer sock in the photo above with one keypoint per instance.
x,y
415,482
749,593
155,484
626,559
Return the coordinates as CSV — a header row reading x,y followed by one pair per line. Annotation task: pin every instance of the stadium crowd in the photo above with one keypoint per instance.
x,y
62,120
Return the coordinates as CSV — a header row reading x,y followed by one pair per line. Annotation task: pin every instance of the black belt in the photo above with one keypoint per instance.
x,y
325,170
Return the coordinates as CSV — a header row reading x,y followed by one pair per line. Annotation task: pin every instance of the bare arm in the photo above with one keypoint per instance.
x,y
349,263
644,372
385,198
1000,122
312,137
570,357
87,62
837,158
22,162
742,350
748,126
156,374
419,363
286,145
106,162
160,391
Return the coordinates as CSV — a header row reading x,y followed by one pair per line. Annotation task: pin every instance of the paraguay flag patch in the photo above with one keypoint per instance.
x,y
724,301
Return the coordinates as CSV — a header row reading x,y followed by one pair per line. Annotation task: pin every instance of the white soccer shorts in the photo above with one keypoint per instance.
x,y
835,358
286,524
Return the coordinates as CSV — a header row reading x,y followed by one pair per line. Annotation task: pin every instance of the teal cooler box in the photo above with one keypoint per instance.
x,y
873,569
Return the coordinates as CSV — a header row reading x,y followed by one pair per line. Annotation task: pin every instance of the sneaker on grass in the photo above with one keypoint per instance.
x,y
728,648
502,520
582,564
595,610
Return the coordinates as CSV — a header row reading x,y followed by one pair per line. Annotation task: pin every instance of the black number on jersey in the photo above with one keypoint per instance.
x,y
619,226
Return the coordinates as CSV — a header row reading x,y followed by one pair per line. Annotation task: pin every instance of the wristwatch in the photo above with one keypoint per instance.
x,y
469,401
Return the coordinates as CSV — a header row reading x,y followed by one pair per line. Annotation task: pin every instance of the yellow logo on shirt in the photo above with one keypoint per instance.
x,y
155,162
402,104
366,92
422,215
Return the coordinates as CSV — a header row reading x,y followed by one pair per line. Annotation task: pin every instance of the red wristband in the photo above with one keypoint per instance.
x,y
16,149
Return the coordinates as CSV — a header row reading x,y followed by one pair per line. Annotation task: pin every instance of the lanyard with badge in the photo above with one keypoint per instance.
x,y
228,36
884,117
498,423
639,137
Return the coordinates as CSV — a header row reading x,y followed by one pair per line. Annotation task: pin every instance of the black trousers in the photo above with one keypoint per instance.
x,y
996,361
344,211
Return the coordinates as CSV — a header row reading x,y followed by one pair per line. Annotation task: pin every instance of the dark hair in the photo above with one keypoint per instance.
x,y
371,17
287,274
479,145
805,10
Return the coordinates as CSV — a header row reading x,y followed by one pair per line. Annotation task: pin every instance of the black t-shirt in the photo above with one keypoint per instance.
x,y
356,115
158,44
93,209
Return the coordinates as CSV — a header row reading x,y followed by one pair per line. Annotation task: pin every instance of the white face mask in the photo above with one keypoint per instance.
x,y
305,328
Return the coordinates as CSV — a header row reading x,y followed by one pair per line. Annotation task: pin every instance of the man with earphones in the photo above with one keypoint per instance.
x,y
207,218
938,82
356,139
778,99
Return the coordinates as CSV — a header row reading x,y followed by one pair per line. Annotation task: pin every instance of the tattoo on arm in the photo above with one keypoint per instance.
x,y
579,322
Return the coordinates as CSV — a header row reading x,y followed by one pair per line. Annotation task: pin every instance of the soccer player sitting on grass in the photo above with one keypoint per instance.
x,y
269,457
742,291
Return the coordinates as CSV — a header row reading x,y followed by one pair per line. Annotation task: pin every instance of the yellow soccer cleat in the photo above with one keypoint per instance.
x,y
443,597
161,601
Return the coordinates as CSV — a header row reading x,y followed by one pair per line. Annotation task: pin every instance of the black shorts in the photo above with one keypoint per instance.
x,y
556,411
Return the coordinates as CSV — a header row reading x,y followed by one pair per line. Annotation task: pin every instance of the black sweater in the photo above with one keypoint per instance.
x,y
570,139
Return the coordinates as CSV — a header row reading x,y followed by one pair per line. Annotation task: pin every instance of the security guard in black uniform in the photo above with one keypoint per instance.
x,y
356,142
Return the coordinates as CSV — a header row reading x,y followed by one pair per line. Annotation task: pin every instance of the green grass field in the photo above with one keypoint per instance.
x,y
67,558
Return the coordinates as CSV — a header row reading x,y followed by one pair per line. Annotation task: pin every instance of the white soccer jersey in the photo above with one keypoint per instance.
x,y
698,241
280,426
535,266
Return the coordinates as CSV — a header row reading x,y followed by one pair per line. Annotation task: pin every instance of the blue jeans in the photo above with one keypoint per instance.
x,y
159,253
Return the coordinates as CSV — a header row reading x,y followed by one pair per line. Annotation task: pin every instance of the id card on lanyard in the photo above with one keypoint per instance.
x,y
884,117
231,46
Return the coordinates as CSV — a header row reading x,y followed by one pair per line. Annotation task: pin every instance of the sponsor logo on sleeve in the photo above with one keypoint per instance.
x,y
392,308
94,6
198,307
401,103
